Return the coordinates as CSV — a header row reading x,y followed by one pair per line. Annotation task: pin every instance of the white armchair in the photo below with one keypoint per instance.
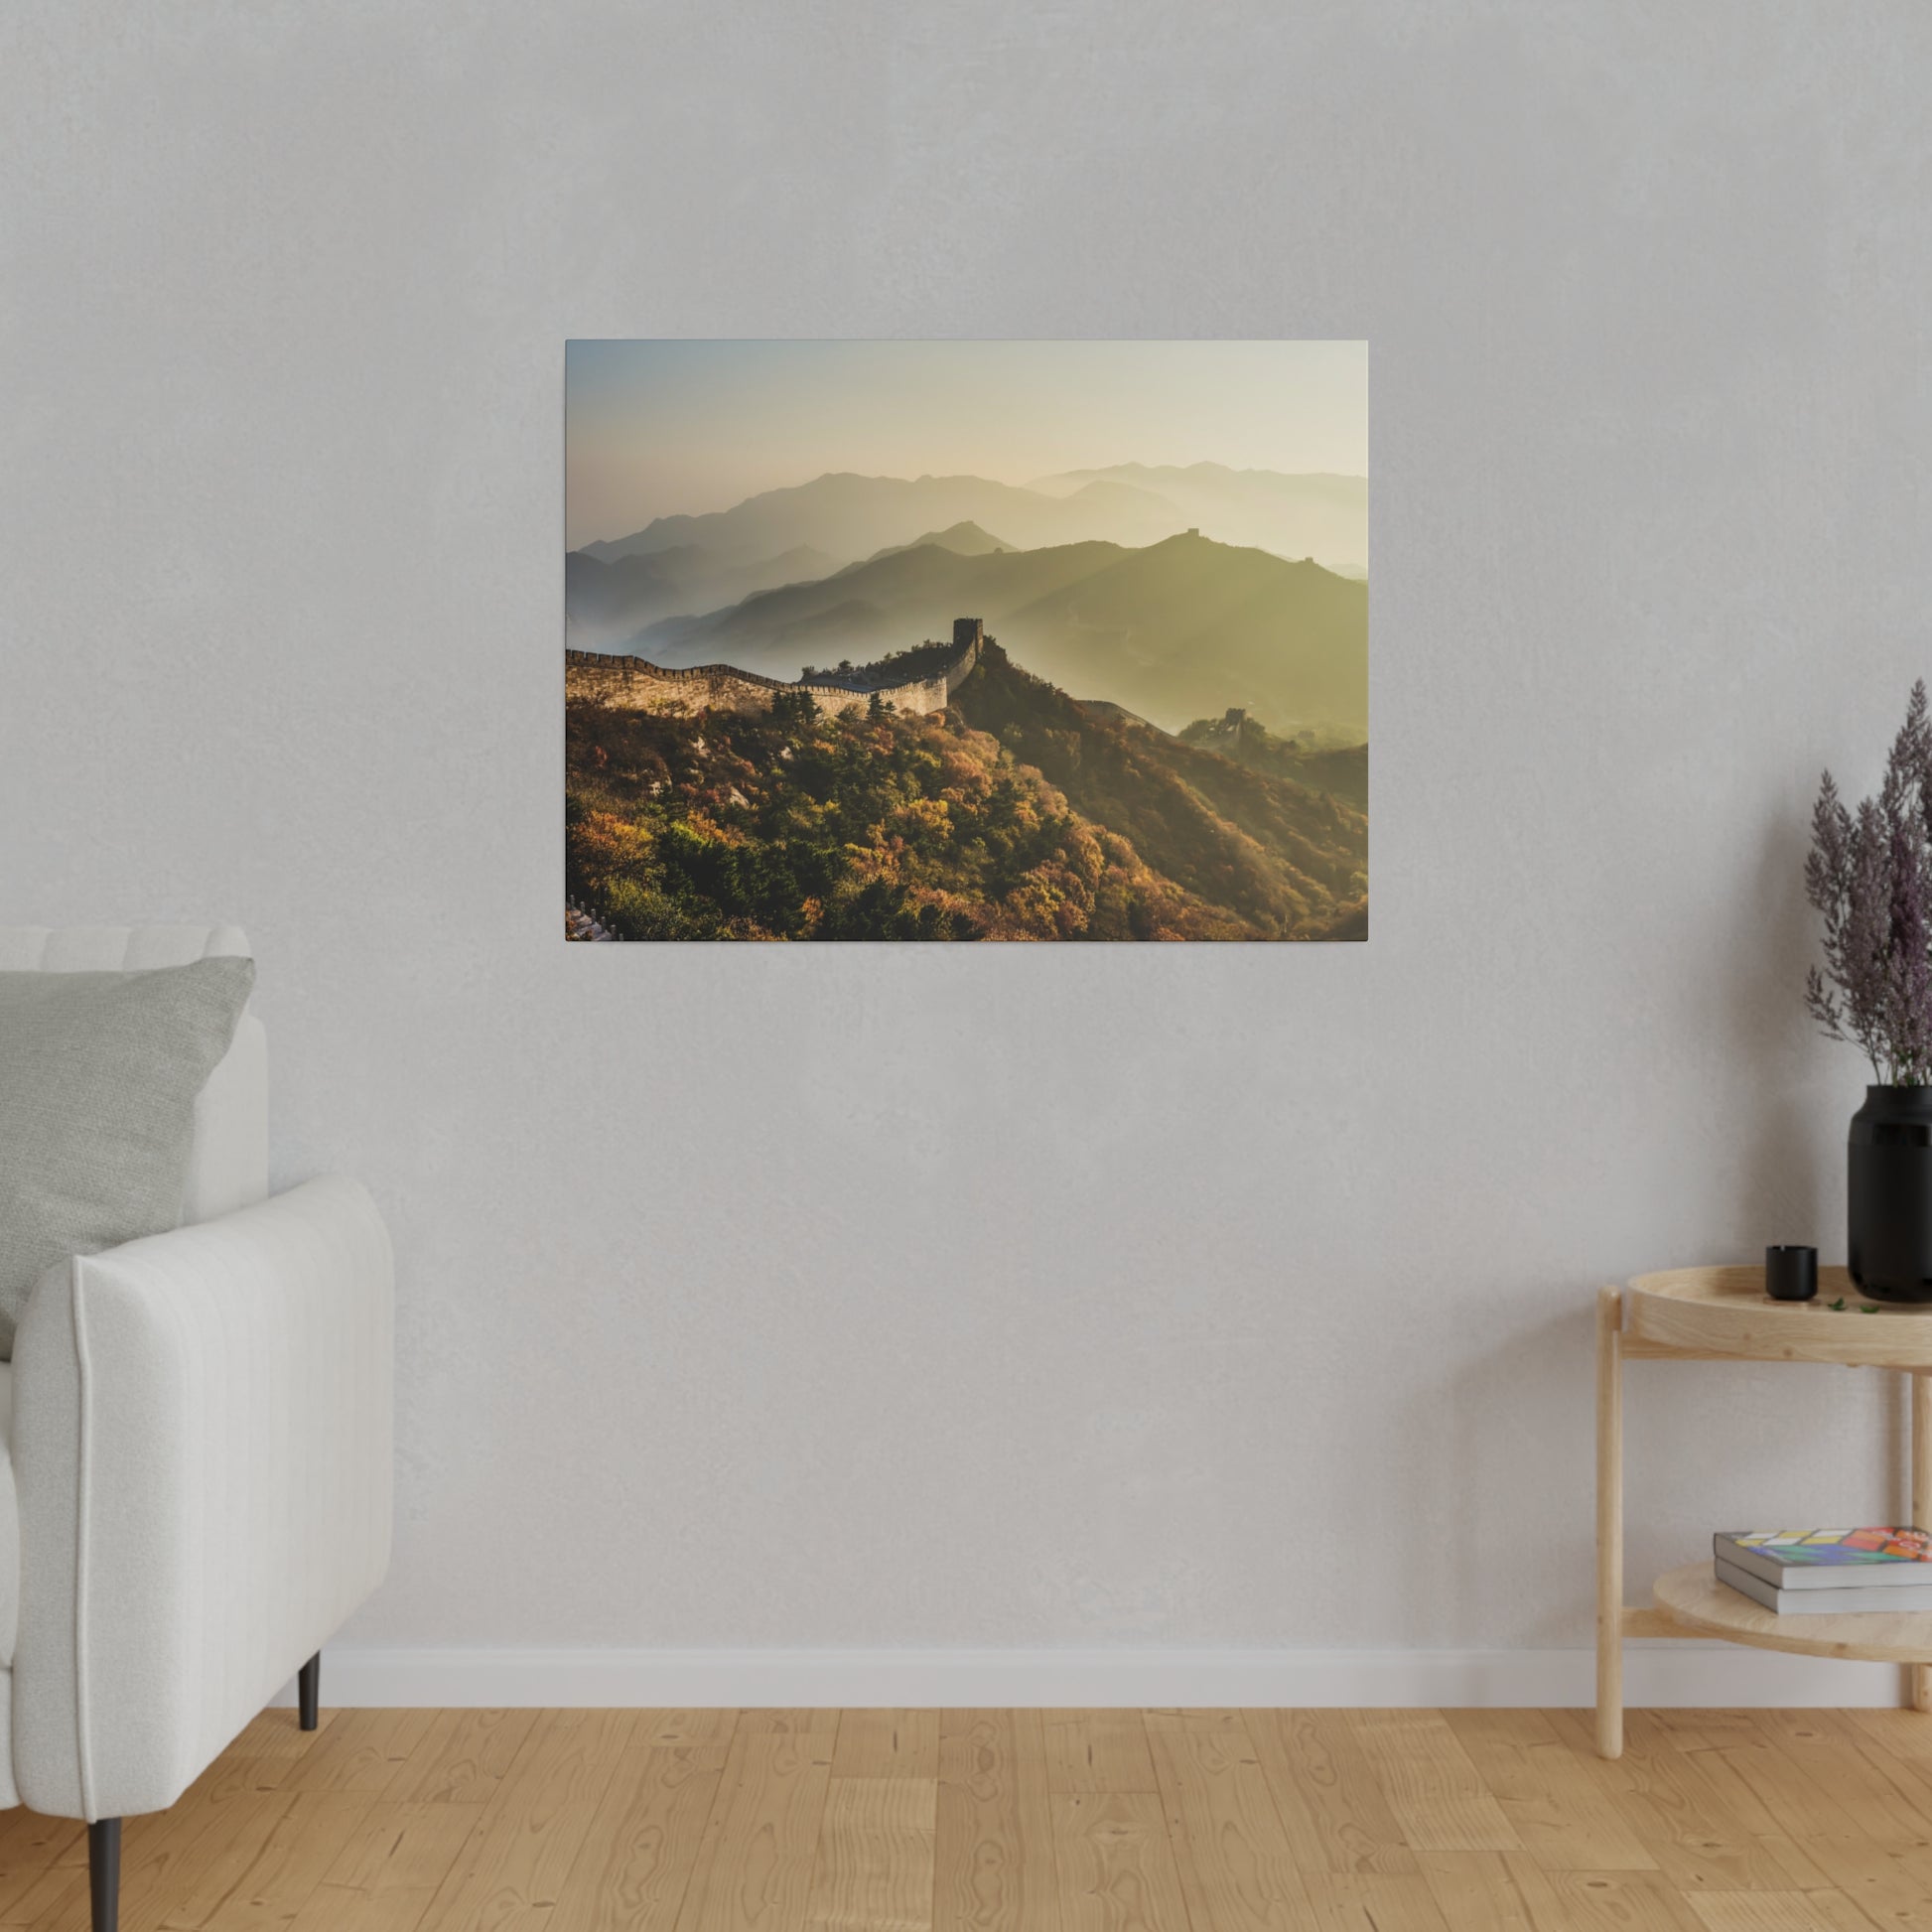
x,y
198,1481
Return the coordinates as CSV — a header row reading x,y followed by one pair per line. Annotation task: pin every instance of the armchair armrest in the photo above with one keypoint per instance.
x,y
202,1454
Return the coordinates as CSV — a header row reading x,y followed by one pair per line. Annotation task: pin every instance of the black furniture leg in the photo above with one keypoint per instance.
x,y
104,1873
308,1689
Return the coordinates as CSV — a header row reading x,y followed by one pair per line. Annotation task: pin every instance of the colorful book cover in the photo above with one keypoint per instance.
x,y
1822,1549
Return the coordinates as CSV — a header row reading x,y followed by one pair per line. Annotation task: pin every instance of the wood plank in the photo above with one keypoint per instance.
x,y
62,1902
1891,1885
874,1868
1097,1750
1551,1797
644,1842
1789,1800
1490,1891
463,1759
32,1847
1696,1841
1331,1805
1436,1793
757,1868
362,1751
1116,1867
1697,1729
1617,1901
178,1873
512,1866
799,1721
994,1867
1373,1901
1491,1821
887,1744
1884,1799
385,1878
294,1859
1902,1734
1237,1871
56,1895
279,1733
1780,1912
686,1726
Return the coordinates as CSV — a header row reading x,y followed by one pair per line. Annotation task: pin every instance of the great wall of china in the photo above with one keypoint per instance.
x,y
637,684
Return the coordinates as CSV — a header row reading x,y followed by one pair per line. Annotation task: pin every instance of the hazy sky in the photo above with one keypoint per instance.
x,y
661,428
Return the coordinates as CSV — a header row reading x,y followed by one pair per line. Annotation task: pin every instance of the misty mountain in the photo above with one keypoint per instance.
x,y
1181,627
857,516
605,601
867,610
963,540
1320,516
1176,630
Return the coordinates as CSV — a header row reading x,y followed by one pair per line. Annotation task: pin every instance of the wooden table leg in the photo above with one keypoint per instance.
x,y
1609,1522
1921,1673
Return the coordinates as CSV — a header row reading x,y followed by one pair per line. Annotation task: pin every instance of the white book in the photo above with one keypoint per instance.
x,y
1896,1598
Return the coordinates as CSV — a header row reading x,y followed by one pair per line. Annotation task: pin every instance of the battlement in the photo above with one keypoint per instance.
x,y
604,661
637,684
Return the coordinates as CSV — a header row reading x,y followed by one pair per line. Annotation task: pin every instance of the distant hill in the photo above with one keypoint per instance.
x,y
856,517
607,600
1340,768
1116,713
1279,855
1320,516
963,540
1176,630
869,608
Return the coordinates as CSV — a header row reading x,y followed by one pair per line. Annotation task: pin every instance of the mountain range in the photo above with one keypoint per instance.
x,y
1174,631
606,602
1320,516
849,516
963,539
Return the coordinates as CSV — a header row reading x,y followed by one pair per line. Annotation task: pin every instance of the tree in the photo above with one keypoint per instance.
x,y
793,708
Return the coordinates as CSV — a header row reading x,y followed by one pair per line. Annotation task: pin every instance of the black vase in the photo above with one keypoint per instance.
x,y
1891,1195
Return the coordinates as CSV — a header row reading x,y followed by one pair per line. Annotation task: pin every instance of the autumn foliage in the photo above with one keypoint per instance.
x,y
1016,815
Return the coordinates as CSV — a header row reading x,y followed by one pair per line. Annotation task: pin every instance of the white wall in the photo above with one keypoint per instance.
x,y
1262,1319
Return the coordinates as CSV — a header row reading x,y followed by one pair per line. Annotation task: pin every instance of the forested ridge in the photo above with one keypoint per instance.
x,y
1017,814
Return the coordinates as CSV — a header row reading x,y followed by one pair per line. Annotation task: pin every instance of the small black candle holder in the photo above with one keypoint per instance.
x,y
1791,1274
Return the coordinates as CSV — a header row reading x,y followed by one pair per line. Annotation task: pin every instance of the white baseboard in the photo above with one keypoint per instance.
x,y
1655,1674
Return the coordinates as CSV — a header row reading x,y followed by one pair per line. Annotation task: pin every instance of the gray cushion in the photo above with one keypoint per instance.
x,y
98,1073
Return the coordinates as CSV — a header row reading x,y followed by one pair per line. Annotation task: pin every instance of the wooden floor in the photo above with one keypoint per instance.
x,y
1027,1820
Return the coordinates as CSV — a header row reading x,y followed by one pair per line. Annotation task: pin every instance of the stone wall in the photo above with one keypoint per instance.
x,y
635,683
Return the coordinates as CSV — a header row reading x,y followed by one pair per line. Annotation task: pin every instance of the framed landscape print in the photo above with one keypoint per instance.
x,y
966,641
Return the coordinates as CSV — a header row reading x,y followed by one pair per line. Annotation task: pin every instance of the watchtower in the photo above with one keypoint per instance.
x,y
968,631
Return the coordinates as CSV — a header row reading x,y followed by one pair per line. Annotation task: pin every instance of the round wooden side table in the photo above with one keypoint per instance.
x,y
1707,1314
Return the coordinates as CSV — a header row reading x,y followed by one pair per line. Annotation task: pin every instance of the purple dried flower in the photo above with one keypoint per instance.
x,y
1871,878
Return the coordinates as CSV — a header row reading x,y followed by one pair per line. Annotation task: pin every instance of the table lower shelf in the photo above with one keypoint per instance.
x,y
1697,1603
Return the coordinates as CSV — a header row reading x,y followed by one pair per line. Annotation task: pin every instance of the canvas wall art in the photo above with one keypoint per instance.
x,y
966,641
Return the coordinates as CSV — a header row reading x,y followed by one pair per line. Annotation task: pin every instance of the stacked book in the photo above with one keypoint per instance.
x,y
1828,1573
